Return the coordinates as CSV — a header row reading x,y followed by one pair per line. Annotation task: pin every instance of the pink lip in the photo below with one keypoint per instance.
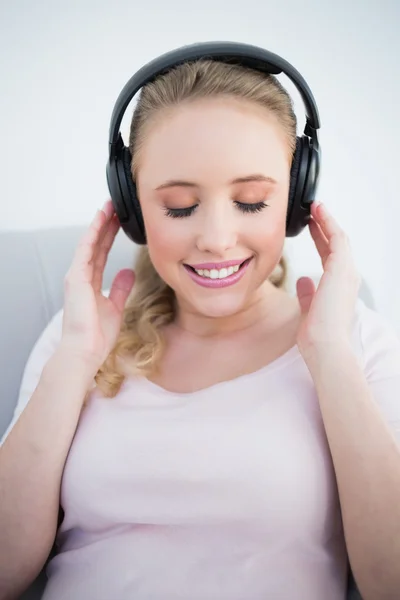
x,y
218,283
218,266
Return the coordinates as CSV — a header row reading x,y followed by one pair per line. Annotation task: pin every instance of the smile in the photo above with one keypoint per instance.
x,y
213,277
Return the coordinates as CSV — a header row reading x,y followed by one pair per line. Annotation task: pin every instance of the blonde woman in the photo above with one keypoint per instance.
x,y
208,435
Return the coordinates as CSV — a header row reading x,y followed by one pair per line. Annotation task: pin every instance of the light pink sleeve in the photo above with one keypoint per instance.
x,y
381,352
40,354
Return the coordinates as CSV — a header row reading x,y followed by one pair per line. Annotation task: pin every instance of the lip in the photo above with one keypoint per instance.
x,y
218,266
218,283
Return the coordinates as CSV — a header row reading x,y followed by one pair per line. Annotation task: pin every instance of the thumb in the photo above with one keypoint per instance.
x,y
305,289
121,288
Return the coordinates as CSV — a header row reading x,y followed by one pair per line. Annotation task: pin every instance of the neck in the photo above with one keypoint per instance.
x,y
264,305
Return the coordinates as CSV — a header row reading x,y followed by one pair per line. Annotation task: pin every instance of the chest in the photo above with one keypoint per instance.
x,y
189,366
257,457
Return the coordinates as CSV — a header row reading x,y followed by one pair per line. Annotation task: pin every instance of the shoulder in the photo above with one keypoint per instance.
x,y
379,346
41,352
378,342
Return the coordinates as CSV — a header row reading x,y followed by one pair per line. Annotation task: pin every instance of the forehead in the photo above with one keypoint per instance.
x,y
213,138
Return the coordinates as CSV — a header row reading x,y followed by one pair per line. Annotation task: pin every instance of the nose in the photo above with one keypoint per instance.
x,y
218,231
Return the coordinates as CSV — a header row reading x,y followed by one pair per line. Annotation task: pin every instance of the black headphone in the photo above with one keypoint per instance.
x,y
306,160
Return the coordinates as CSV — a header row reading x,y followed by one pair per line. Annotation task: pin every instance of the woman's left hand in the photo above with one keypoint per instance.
x,y
327,312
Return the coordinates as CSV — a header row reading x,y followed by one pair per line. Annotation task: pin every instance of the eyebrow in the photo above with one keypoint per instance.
x,y
246,179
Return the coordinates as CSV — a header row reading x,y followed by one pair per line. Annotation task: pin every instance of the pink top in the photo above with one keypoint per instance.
x,y
222,494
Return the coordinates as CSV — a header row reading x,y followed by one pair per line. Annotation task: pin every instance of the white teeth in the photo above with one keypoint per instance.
x,y
217,274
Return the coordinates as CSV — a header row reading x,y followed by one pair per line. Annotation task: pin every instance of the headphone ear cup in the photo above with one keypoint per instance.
x,y
133,224
294,172
115,188
302,186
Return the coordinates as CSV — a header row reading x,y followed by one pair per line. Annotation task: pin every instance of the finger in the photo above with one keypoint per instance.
x,y
103,252
82,262
320,240
109,212
305,290
330,227
317,228
121,288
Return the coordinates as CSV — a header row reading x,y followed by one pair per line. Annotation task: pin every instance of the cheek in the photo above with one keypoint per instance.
x,y
159,244
268,233
167,242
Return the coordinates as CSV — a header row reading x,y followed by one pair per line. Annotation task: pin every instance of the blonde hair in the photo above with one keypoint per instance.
x,y
151,304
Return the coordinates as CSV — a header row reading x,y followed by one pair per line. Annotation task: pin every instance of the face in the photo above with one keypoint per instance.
x,y
213,181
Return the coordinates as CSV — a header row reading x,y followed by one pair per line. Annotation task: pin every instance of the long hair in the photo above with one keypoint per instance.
x,y
152,303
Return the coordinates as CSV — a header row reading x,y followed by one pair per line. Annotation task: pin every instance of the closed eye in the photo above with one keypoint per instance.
x,y
251,208
178,213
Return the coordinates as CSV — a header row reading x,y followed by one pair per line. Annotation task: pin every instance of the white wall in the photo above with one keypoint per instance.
x,y
63,64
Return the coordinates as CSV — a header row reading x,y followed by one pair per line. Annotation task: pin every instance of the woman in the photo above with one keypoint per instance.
x,y
239,442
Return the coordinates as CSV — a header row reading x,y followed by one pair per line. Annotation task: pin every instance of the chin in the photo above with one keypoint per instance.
x,y
218,307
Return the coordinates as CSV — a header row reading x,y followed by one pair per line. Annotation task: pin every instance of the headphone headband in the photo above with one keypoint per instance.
x,y
305,165
230,52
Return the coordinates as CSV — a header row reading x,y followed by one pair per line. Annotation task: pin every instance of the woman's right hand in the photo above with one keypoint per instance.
x,y
92,321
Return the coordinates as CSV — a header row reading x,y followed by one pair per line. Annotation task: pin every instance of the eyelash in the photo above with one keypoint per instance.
x,y
179,213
